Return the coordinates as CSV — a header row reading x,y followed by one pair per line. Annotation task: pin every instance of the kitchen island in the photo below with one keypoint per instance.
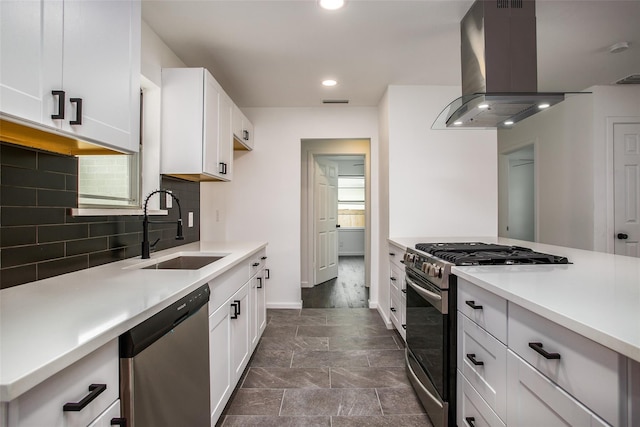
x,y
48,325
550,343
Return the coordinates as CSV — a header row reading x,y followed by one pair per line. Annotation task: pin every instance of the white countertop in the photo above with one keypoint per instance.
x,y
597,296
49,324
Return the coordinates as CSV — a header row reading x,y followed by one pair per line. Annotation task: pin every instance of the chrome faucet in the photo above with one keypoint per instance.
x,y
146,247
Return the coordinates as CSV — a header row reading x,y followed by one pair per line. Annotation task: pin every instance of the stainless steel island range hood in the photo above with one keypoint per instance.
x,y
499,68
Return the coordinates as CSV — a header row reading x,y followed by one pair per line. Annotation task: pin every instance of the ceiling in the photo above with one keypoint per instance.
x,y
275,53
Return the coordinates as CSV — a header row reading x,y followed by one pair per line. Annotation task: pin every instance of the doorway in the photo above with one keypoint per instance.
x,y
520,215
626,178
335,255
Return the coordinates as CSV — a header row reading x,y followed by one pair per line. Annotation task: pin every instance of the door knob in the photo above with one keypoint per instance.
x,y
622,236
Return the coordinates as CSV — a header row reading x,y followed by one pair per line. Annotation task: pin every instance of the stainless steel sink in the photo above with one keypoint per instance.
x,y
184,262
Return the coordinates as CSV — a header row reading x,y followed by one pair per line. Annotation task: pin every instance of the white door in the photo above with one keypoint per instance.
x,y
626,178
325,214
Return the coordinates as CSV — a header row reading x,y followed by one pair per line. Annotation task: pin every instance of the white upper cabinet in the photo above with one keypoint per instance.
x,y
74,66
242,131
196,126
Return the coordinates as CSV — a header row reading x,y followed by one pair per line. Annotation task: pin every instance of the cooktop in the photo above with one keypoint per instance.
x,y
478,253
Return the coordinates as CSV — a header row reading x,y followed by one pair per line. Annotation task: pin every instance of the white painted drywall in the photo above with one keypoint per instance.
x,y
441,182
263,200
573,165
351,241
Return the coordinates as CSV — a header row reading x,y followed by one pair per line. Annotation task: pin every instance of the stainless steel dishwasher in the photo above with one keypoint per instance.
x,y
164,366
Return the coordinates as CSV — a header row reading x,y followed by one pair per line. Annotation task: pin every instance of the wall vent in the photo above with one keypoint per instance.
x,y
335,101
633,79
516,4
503,4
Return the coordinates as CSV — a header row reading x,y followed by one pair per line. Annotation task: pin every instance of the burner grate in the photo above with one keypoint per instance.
x,y
476,253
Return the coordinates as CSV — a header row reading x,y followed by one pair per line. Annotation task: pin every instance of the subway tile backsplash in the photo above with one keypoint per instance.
x,y
38,236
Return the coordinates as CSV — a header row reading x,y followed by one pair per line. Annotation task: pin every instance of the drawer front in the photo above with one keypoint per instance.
x,y
472,410
104,420
536,401
482,360
490,310
43,405
396,256
224,286
592,373
396,277
257,262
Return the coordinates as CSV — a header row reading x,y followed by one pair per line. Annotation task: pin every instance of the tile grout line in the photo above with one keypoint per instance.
x,y
379,403
281,402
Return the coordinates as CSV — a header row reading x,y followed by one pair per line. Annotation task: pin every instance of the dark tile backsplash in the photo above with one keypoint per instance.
x,y
38,236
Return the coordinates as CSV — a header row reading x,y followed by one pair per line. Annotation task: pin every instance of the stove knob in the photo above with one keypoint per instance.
x,y
433,270
437,271
425,267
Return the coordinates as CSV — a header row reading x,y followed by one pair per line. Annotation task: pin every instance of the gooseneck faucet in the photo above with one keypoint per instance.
x,y
146,247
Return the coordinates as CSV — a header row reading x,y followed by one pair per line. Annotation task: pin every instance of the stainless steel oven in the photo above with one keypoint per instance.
x,y
431,347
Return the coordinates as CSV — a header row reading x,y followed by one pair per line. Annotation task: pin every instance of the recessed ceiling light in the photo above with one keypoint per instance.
x,y
458,123
508,122
543,106
331,4
483,106
329,82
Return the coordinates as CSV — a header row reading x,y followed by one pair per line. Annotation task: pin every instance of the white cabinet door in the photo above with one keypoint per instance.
x,y
472,410
240,313
242,130
258,308
261,309
225,136
89,52
31,65
535,401
209,150
220,360
101,69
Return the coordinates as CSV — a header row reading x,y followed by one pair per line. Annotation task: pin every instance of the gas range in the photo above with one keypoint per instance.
x,y
433,261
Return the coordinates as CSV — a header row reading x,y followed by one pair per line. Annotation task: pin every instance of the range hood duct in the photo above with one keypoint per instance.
x,y
499,68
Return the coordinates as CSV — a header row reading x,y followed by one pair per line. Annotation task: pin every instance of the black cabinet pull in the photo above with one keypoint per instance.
x,y
267,273
392,254
404,291
94,391
78,102
472,357
237,301
223,168
393,309
622,236
264,257
259,282
235,311
402,261
471,421
60,94
537,346
393,279
119,422
255,264
404,326
473,305
245,135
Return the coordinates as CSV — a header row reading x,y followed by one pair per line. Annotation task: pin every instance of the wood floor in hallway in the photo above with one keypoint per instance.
x,y
348,290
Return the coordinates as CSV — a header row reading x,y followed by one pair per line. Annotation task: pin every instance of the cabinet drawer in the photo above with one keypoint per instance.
x,y
490,310
104,420
536,401
592,373
43,405
481,359
396,256
396,277
472,410
257,262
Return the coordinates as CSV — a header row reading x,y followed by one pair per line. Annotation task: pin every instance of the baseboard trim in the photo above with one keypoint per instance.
x,y
385,319
289,305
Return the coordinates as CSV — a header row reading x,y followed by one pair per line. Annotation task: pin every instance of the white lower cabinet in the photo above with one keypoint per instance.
x,y
237,318
473,411
47,404
220,360
536,401
108,416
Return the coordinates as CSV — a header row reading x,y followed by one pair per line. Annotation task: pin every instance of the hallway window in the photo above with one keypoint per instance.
x,y
351,201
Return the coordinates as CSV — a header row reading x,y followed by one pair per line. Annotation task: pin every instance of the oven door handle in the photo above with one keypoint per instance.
x,y
431,297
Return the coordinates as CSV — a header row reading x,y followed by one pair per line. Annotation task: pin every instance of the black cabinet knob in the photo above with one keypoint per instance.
x,y
622,236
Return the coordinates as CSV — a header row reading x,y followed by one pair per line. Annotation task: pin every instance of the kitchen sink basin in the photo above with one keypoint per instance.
x,y
184,262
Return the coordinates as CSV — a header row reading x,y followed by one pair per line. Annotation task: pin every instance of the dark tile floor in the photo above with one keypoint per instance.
x,y
345,291
325,367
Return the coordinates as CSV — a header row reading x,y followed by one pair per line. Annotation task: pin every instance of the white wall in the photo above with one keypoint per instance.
x,y
574,181
441,182
351,241
263,200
